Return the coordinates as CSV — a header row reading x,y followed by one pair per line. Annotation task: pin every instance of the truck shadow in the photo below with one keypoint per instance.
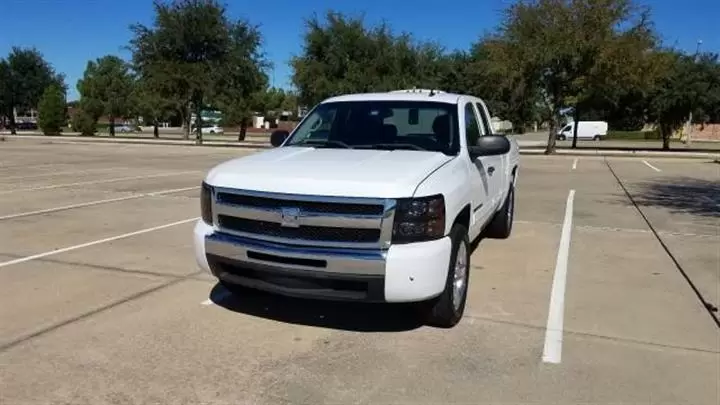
x,y
348,316
686,195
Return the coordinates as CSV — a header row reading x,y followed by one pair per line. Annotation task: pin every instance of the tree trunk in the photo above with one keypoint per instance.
x,y
666,133
112,126
186,121
198,121
156,130
552,135
13,129
576,121
243,130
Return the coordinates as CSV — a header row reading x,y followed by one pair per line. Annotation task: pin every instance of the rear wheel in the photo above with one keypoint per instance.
x,y
501,225
446,310
596,138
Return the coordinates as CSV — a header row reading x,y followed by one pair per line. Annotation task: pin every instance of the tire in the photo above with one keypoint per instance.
x,y
561,138
501,225
596,138
446,310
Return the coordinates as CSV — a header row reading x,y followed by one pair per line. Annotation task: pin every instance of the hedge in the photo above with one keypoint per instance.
x,y
634,135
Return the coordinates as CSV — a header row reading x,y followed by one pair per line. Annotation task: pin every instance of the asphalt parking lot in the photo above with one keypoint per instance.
x,y
101,300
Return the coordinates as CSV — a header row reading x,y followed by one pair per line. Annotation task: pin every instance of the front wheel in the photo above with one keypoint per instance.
x,y
446,310
561,138
596,138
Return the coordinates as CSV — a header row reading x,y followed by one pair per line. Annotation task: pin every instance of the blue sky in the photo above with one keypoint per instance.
x,y
71,32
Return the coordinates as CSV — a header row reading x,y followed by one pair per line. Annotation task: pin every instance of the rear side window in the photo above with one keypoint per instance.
x,y
486,129
472,127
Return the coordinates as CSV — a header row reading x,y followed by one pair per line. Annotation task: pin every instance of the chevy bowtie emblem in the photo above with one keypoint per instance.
x,y
290,217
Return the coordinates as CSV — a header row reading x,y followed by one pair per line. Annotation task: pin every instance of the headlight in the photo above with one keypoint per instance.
x,y
419,219
206,193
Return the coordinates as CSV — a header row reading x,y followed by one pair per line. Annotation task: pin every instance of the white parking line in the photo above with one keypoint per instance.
x,y
33,176
552,351
95,242
83,183
575,162
651,166
96,202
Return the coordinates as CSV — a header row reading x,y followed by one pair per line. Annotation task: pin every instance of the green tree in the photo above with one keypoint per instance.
x,y
689,83
290,103
342,55
573,50
150,104
509,92
24,76
239,88
106,88
51,110
238,111
4,78
83,122
197,55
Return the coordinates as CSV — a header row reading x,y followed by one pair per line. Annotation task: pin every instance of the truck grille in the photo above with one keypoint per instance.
x,y
307,206
304,220
315,233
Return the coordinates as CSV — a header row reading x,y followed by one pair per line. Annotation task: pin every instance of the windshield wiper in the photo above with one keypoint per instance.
x,y
324,142
391,146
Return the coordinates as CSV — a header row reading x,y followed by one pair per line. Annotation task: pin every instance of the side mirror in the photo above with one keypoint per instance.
x,y
278,137
490,145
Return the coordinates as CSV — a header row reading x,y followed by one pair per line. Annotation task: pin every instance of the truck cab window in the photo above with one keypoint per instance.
x,y
486,128
472,128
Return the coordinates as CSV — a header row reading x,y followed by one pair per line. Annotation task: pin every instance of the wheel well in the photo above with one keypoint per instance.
x,y
463,218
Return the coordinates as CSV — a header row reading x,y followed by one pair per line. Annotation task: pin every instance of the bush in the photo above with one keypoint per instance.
x,y
51,110
634,135
82,122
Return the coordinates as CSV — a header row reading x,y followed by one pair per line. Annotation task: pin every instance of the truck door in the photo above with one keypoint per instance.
x,y
497,165
480,174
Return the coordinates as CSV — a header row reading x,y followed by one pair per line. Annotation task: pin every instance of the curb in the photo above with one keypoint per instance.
x,y
167,142
624,153
260,145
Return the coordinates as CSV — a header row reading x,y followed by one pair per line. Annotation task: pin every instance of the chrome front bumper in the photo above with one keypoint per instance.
x,y
286,257
402,273
327,273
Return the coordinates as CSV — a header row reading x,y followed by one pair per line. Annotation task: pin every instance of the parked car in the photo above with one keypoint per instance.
x,y
587,130
125,128
372,197
26,126
210,129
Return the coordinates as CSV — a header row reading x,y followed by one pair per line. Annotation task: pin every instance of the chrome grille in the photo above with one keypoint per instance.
x,y
305,220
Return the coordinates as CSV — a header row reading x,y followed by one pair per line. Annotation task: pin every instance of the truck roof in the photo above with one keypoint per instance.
x,y
400,95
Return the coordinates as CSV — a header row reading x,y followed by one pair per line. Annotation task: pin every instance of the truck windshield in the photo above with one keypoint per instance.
x,y
387,125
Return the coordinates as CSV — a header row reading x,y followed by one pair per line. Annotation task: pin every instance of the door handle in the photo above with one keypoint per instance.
x,y
491,170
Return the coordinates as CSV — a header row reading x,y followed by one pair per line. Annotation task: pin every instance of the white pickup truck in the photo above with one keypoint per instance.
x,y
372,197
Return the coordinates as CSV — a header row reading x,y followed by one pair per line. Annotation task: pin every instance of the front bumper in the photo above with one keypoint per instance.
x,y
402,273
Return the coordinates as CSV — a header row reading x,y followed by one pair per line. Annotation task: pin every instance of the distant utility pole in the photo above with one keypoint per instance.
x,y
689,122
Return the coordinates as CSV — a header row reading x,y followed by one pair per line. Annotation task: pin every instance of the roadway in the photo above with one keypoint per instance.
x,y
101,300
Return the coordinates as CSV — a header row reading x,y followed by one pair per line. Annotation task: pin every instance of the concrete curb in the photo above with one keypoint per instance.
x,y
624,153
172,142
261,144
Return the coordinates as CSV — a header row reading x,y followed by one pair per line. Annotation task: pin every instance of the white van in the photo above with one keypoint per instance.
x,y
594,130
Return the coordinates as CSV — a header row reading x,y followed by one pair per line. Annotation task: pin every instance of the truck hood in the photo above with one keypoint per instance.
x,y
329,172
